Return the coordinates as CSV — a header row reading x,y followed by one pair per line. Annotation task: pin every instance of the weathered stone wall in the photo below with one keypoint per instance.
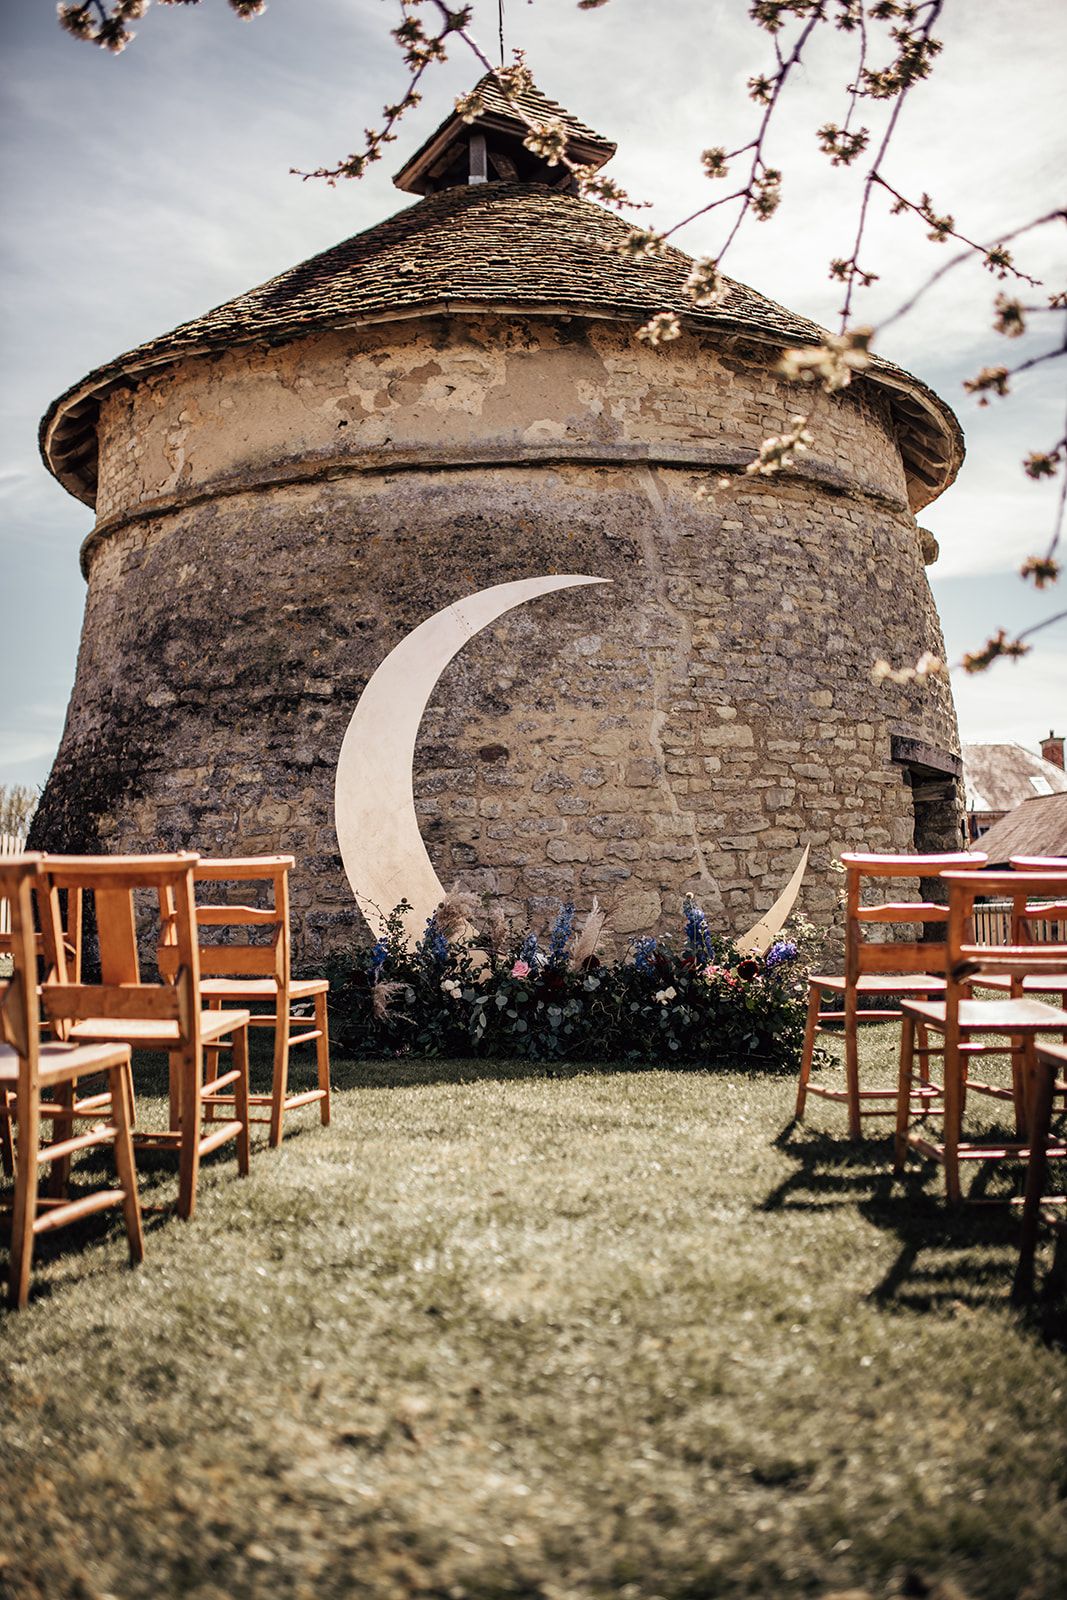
x,y
464,385
273,522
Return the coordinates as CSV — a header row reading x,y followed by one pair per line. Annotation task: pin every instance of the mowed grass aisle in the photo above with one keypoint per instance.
x,y
500,1334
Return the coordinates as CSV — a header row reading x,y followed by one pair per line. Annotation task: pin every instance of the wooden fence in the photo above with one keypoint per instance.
x,y
992,925
11,844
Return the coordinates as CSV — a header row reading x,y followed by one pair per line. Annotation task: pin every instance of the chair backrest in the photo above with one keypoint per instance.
x,y
19,1010
121,994
70,931
239,956
1033,894
1039,922
864,954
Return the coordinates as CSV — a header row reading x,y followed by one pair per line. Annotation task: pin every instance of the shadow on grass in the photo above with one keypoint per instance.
x,y
949,1258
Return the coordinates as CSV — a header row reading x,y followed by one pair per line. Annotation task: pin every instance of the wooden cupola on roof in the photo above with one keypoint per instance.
x,y
491,147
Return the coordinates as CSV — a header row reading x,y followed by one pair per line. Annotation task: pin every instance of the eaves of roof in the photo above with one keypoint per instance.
x,y
468,251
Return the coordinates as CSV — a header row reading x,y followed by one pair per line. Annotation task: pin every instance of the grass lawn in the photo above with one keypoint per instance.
x,y
497,1334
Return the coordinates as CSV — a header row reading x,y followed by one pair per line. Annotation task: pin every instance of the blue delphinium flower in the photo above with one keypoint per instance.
x,y
784,950
434,944
644,951
697,933
379,956
560,937
528,953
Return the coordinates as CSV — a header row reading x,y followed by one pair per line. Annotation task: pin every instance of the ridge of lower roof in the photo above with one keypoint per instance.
x,y
518,246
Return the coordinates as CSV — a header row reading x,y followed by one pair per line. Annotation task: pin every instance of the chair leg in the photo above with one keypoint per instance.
x,y
211,1059
1040,1122
907,1063
923,1034
810,1028
120,1081
25,1209
62,1128
240,1098
7,1144
280,1086
953,1116
1019,1074
189,1169
175,1093
322,1056
852,1065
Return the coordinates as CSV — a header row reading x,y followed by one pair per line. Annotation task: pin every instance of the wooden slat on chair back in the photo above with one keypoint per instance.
x,y
19,1011
238,958
867,955
121,995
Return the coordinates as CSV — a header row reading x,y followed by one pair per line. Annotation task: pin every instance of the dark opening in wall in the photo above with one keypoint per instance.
x,y
935,778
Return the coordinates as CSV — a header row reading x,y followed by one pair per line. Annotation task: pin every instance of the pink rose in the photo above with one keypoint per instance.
x,y
520,970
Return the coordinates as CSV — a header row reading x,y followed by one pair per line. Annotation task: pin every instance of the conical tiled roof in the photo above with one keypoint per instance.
x,y
469,250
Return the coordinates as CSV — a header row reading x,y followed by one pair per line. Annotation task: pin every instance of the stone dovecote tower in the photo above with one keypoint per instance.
x,y
455,398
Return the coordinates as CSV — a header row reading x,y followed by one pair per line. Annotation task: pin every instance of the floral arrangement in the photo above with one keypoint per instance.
x,y
475,986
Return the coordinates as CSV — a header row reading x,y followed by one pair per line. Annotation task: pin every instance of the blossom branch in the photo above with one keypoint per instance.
x,y
994,257
913,63
908,305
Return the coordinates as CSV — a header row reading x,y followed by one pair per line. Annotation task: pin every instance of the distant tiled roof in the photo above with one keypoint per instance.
x,y
1037,827
998,777
470,249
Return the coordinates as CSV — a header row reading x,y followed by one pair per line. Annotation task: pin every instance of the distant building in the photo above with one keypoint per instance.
x,y
999,777
1038,827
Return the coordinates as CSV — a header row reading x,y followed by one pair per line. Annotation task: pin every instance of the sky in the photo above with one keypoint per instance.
x,y
138,191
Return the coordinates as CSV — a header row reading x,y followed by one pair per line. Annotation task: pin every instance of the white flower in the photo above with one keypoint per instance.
x,y
661,328
927,666
665,996
834,361
778,451
704,286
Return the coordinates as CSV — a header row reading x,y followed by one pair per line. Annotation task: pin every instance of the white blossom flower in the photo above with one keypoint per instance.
x,y
548,139
927,666
661,328
834,361
641,243
778,451
704,285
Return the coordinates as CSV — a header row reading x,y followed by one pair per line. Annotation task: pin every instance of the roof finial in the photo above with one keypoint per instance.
x,y
500,14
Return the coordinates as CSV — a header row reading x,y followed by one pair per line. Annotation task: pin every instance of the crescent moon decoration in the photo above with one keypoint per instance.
x,y
374,808
381,845
757,941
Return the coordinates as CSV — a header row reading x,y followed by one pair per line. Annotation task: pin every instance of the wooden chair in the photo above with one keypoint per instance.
x,y
962,1020
71,932
30,1071
1050,1077
1052,984
877,967
161,1016
260,974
